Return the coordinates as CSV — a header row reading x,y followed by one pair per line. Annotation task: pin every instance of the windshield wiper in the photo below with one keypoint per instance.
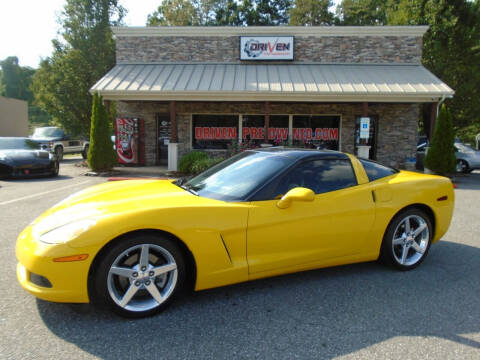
x,y
189,189
180,181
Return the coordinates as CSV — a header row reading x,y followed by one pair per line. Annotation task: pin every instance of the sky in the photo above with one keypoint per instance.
x,y
28,26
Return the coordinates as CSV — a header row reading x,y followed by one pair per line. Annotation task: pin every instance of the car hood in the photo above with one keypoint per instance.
x,y
108,199
23,155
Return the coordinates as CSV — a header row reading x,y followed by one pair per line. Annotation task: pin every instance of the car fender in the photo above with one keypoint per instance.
x,y
393,194
215,236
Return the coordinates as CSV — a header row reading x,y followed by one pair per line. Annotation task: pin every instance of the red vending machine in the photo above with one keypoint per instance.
x,y
129,141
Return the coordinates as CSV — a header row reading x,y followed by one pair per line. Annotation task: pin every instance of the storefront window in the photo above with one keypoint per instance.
x,y
253,130
314,131
214,131
278,133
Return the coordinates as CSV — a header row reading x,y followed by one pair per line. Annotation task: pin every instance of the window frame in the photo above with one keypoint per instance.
x,y
395,171
291,168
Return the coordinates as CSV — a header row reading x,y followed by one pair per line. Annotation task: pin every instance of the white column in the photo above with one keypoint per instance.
x,y
173,156
290,129
240,129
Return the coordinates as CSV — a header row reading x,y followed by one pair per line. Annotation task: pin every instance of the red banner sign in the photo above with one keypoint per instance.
x,y
258,133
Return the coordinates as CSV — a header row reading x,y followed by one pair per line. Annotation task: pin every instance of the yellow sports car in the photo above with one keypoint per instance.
x,y
134,245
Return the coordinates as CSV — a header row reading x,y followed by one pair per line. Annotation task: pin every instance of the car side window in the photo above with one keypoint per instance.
x,y
321,176
376,171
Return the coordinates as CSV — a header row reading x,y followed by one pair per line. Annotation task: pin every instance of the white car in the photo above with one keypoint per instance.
x,y
54,139
468,159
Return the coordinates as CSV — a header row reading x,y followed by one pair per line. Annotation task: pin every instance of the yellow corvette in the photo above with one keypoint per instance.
x,y
134,245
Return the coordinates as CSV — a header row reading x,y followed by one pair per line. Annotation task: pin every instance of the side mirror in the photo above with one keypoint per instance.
x,y
296,194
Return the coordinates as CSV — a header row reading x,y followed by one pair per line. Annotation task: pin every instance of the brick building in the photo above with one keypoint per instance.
x,y
354,89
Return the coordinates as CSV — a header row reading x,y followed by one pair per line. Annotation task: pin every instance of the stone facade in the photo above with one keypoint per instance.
x,y
327,49
396,124
396,136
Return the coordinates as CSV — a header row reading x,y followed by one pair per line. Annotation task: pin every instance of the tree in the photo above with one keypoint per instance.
x,y
16,82
362,12
440,157
16,79
311,12
229,14
451,48
101,155
220,12
175,13
272,12
2,85
85,53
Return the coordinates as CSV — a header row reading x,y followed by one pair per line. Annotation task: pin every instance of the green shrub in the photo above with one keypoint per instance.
x,y
440,157
101,155
203,164
187,161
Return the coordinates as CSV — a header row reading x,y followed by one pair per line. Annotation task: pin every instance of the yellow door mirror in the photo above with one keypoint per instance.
x,y
296,194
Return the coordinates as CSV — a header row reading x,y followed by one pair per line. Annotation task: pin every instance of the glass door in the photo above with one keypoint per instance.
x,y
366,137
163,138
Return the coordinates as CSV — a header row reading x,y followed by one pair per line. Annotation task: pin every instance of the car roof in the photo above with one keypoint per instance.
x,y
298,153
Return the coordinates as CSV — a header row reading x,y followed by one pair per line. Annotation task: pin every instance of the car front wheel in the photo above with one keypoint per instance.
x,y
407,239
59,153
139,276
55,168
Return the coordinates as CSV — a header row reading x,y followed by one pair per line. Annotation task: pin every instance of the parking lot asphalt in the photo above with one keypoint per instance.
x,y
362,311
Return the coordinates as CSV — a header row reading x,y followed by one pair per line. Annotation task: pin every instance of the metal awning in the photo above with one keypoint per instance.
x,y
272,82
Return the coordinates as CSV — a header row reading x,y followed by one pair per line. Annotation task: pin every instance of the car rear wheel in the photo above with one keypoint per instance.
x,y
462,166
139,276
407,240
59,153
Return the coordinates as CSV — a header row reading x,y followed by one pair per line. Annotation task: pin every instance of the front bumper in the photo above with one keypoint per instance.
x,y
27,170
68,280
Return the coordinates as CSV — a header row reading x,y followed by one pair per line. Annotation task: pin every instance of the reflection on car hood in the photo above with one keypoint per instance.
x,y
23,155
113,197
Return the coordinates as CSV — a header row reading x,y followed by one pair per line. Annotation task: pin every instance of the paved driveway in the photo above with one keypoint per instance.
x,y
360,311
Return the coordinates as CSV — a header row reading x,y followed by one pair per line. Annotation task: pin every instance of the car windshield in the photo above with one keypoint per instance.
x,y
18,144
47,132
236,178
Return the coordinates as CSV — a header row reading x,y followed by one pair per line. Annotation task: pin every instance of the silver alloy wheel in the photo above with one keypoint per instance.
x,y
142,277
410,240
59,153
462,166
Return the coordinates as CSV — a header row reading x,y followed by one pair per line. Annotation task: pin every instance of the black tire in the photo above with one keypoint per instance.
x,y
59,153
56,169
462,166
106,288
392,254
85,152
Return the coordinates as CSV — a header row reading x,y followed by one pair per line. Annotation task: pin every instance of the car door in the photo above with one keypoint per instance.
x,y
336,223
71,145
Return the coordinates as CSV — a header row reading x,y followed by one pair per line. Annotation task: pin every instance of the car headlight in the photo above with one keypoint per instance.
x,y
62,234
